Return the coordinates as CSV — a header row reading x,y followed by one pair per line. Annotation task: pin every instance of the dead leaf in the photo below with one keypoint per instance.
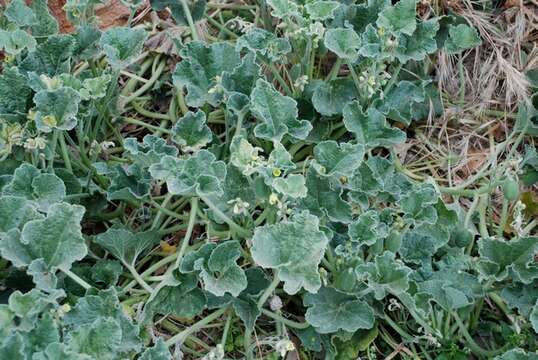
x,y
112,13
168,248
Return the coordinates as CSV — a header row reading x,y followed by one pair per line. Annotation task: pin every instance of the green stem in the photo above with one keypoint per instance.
x,y
280,79
269,290
404,334
154,267
334,71
139,109
471,343
157,220
504,217
354,76
151,81
179,338
283,320
461,70
482,207
188,233
190,21
393,78
238,229
65,153
54,141
221,27
181,102
138,278
143,124
76,278
226,329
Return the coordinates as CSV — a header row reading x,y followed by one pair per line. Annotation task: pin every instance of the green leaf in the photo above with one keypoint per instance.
x,y
57,239
359,16
529,166
461,37
20,14
14,92
321,10
218,269
420,44
370,129
15,212
278,114
30,183
56,109
13,347
191,132
333,159
87,41
122,45
198,174
241,80
196,9
418,204
100,339
264,43
343,42
16,41
125,245
149,151
400,101
295,248
181,298
128,183
324,199
521,296
534,317
43,278
220,273
59,351
95,308
51,57
283,8
517,354
159,351
421,243
201,71
106,272
310,339
515,258
330,97
377,178
451,286
238,196
46,23
367,229
95,88
293,185
375,44
28,307
330,310
400,18
385,275
244,156
44,333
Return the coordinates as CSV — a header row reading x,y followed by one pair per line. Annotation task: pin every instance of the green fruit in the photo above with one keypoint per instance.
x,y
511,189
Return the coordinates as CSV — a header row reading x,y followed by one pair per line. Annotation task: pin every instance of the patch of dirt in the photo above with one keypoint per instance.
x,y
111,13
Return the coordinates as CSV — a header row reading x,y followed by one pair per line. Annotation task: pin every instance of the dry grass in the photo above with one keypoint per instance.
x,y
495,72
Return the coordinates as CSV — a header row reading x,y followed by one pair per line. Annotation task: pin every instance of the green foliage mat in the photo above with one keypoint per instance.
x,y
235,193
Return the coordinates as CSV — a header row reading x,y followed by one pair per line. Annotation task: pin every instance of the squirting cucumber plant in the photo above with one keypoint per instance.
x,y
224,180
